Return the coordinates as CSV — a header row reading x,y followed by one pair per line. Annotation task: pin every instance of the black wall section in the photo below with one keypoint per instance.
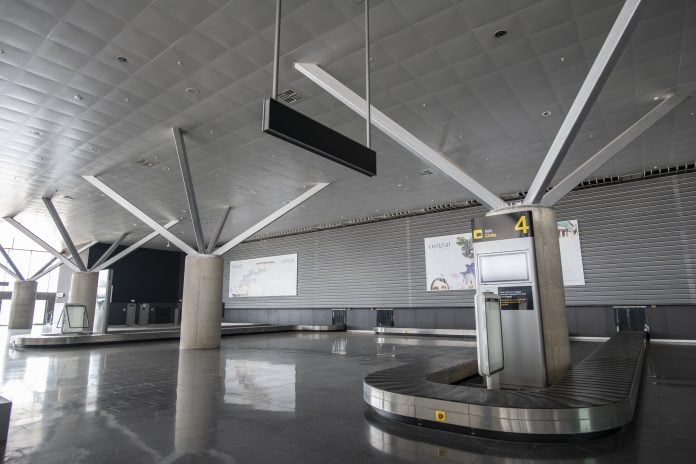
x,y
638,244
145,275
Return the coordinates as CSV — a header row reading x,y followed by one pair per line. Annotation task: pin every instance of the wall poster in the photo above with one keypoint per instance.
x,y
571,254
268,276
449,263
449,260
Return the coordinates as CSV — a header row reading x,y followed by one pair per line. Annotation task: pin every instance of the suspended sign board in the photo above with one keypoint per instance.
x,y
268,276
292,126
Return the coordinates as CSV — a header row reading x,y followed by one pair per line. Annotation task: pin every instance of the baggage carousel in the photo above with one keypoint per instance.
x,y
133,334
596,397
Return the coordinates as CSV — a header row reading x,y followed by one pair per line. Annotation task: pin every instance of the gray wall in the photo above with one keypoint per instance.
x,y
636,240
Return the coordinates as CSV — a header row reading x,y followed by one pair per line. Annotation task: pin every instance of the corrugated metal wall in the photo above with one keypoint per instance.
x,y
637,240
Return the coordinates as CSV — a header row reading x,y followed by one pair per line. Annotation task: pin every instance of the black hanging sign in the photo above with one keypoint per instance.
x,y
292,126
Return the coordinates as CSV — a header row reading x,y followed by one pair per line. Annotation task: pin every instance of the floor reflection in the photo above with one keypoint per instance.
x,y
262,385
415,444
285,398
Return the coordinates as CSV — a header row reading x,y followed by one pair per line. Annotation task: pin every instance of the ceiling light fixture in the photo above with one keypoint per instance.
x,y
546,113
192,91
500,33
34,132
656,98
78,97
126,99
122,59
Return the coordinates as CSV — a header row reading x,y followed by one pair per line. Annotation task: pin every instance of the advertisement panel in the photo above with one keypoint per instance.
x,y
267,276
449,263
571,254
449,259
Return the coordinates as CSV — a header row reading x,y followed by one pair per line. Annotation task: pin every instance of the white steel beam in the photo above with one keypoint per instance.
x,y
218,230
600,70
270,218
131,208
52,264
16,273
132,248
64,233
399,134
611,149
11,272
185,168
36,239
109,251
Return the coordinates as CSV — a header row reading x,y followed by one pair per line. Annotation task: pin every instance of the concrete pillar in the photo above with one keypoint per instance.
x,y
551,291
202,302
22,306
83,290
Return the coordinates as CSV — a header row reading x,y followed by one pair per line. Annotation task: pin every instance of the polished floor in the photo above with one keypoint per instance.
x,y
289,398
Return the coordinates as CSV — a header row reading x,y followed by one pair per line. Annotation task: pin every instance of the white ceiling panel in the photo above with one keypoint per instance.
x,y
69,107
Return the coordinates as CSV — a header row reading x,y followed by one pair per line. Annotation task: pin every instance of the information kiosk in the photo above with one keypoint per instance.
x,y
505,265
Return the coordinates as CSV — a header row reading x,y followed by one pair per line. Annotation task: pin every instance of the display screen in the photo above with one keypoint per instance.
x,y
516,298
504,267
494,336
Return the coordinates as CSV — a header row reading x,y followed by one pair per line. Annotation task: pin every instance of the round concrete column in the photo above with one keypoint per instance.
x,y
201,306
22,306
83,290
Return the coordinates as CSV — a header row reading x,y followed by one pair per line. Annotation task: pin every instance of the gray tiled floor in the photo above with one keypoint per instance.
x,y
286,398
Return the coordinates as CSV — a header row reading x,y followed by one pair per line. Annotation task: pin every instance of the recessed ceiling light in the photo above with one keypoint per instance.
x,y
179,63
654,167
399,185
563,59
656,98
500,33
546,113
122,59
34,132
692,113
192,91
78,97
126,99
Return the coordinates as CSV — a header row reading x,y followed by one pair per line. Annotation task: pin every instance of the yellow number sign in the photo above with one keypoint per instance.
x,y
521,225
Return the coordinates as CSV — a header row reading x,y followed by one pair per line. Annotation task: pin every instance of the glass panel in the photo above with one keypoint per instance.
x,y
504,267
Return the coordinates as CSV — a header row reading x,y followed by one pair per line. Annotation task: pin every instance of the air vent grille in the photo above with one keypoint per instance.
x,y
289,97
147,163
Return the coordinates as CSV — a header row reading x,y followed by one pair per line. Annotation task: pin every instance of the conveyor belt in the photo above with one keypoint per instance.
x,y
47,340
598,395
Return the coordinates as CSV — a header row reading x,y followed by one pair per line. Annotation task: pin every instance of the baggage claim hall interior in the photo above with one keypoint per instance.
x,y
347,231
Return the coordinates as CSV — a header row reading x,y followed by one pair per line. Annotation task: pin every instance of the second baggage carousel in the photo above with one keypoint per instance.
x,y
135,334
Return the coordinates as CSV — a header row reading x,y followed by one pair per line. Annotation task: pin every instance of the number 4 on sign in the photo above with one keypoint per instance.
x,y
521,225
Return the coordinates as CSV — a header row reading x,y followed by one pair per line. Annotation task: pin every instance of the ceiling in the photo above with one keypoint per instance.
x,y
69,107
